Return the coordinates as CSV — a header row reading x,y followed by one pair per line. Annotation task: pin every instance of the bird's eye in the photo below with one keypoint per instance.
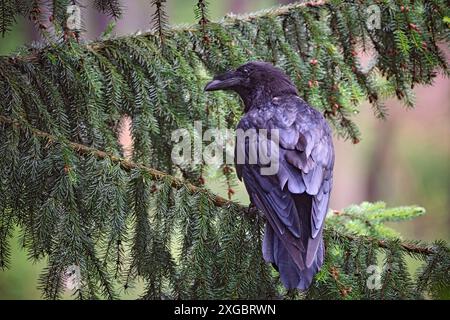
x,y
246,71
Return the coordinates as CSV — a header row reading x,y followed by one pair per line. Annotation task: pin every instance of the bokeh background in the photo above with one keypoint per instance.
x,y
404,160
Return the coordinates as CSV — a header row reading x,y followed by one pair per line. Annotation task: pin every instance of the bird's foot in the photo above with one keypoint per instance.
x,y
252,209
253,212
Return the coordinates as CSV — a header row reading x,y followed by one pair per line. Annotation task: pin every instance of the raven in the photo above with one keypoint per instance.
x,y
295,199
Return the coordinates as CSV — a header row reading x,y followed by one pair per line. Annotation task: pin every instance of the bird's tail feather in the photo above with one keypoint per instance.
x,y
291,275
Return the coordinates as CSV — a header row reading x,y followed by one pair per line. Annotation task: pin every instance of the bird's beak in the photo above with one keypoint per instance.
x,y
224,81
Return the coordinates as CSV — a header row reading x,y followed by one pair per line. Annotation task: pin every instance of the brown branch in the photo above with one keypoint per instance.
x,y
384,244
124,163
176,183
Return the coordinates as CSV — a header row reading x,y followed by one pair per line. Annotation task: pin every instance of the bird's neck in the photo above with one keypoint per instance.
x,y
259,98
254,99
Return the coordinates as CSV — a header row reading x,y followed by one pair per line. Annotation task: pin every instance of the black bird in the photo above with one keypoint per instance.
x,y
295,199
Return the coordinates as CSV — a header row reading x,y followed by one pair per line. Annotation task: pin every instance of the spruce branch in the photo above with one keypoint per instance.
x,y
201,14
176,183
159,19
311,55
111,7
6,16
124,163
408,247
63,105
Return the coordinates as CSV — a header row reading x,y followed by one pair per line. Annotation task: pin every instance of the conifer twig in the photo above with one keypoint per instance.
x,y
405,246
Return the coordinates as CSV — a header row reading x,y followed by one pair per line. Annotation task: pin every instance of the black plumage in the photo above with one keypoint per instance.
x,y
295,198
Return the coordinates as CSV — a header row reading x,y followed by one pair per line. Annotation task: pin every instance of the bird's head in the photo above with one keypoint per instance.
x,y
255,82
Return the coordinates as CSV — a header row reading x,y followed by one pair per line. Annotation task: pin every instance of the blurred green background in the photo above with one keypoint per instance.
x,y
404,160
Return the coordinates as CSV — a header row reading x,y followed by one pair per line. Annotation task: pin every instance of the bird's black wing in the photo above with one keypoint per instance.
x,y
295,200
